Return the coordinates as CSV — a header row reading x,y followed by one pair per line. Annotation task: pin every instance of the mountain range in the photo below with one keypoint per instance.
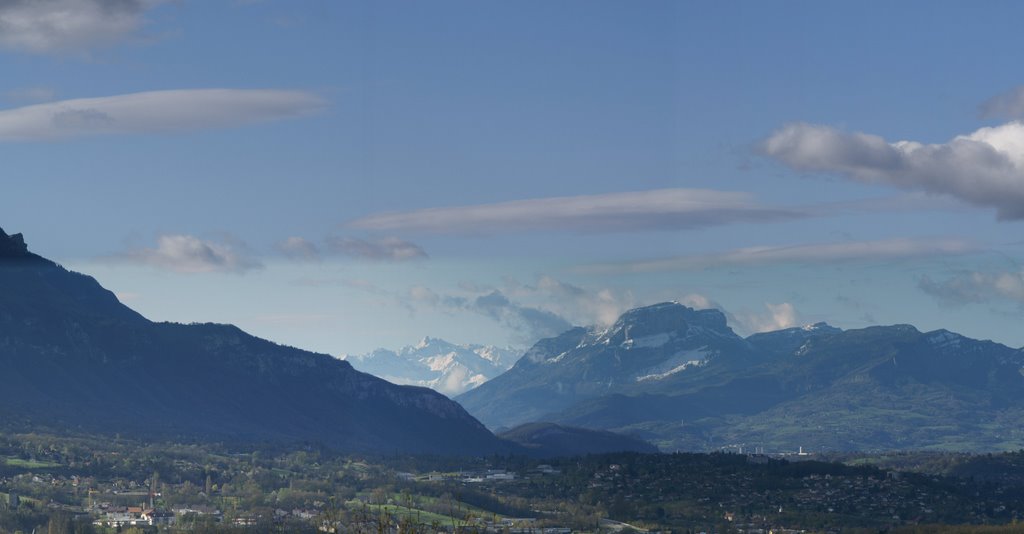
x,y
682,379
437,364
74,358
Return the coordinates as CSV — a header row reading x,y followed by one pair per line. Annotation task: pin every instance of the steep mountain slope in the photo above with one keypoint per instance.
x,y
73,357
889,387
437,364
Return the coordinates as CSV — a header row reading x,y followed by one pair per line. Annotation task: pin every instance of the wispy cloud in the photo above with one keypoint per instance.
x,y
976,286
190,254
424,295
1009,105
886,249
388,248
663,209
154,112
577,304
532,323
527,321
55,26
983,168
298,248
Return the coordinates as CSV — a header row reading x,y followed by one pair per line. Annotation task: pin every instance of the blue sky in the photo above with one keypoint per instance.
x,y
342,176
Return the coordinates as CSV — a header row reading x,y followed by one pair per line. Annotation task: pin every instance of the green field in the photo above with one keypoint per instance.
x,y
408,510
29,464
402,512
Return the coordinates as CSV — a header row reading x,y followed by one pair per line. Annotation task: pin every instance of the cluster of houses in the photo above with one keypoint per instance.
x,y
132,516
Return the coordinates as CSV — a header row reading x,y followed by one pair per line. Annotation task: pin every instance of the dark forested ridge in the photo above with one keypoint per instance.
x,y
550,440
73,357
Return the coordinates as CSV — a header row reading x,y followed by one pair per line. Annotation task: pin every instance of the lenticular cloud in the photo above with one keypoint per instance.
x,y
154,112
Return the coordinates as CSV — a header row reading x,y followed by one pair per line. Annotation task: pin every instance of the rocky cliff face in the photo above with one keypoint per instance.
x,y
12,246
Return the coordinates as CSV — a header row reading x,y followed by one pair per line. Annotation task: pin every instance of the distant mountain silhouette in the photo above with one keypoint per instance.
x,y
548,440
682,379
72,357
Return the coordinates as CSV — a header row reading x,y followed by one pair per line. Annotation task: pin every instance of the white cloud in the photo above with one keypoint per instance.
x,y
190,254
984,168
847,251
976,286
48,26
663,209
298,248
388,248
154,112
699,302
1009,105
775,317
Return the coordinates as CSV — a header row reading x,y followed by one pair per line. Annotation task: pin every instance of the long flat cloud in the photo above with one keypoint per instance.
x,y
663,209
389,248
154,112
984,168
48,26
886,249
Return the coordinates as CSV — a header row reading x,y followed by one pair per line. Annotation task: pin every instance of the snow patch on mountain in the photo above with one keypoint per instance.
x,y
654,341
676,363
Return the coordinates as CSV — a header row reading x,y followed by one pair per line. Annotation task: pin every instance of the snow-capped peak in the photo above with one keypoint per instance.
x,y
435,363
